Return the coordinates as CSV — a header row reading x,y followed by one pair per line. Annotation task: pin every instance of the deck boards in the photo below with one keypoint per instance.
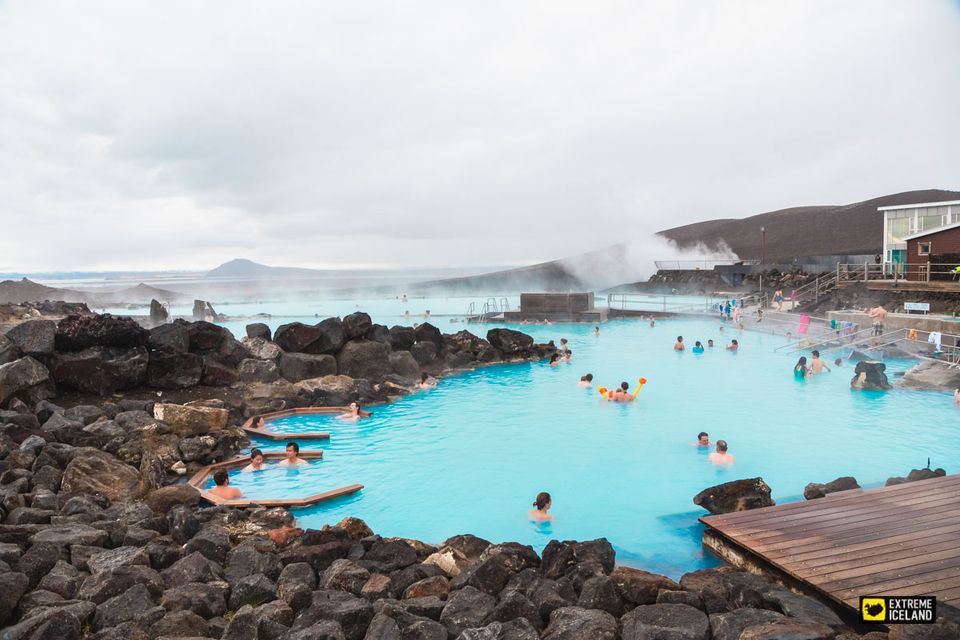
x,y
899,540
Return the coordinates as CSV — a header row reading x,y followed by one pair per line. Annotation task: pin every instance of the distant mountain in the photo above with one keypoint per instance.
x,y
243,268
24,290
804,231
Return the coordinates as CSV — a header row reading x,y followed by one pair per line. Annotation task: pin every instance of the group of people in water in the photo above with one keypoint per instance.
x,y
698,347
221,479
720,456
817,365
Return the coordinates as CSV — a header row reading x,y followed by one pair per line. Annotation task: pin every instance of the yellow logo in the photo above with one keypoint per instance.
x,y
873,609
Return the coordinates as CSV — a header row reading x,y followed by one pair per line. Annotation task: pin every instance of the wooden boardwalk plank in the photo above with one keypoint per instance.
x,y
897,540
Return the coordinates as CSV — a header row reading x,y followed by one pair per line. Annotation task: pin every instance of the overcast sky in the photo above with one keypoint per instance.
x,y
172,134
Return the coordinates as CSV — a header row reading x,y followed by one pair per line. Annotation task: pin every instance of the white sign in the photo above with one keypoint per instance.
x,y
916,306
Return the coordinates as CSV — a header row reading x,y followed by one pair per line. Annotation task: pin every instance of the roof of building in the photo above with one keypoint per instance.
x,y
931,231
919,205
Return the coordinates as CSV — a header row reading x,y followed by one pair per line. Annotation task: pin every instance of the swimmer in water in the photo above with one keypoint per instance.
x,y
721,328
353,412
678,345
563,345
817,365
703,439
622,394
293,458
697,347
596,331
256,461
720,456
733,346
586,381
710,343
555,360
800,370
222,488
567,356
541,505
653,322
426,382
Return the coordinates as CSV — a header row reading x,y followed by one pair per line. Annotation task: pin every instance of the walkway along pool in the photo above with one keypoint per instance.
x,y
471,455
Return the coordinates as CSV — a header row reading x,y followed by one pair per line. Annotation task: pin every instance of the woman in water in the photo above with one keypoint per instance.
x,y
800,371
256,461
733,346
678,345
353,413
596,332
697,347
541,505
426,382
555,360
586,381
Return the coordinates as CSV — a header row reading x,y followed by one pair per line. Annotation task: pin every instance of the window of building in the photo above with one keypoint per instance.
x,y
923,248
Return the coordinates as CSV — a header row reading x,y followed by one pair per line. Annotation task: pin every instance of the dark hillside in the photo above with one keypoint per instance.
x,y
804,231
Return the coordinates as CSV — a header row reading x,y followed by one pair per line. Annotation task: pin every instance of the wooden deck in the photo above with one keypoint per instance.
x,y
899,540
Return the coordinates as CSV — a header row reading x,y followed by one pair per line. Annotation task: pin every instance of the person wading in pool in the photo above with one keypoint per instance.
x,y
541,505
733,346
256,461
678,345
223,489
426,382
586,381
596,332
697,347
352,414
555,360
293,458
800,370
817,365
703,439
720,457
622,394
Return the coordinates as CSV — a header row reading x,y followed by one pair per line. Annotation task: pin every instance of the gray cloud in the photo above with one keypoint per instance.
x,y
181,134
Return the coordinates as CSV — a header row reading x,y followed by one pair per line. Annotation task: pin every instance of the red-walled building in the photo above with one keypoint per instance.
x,y
932,255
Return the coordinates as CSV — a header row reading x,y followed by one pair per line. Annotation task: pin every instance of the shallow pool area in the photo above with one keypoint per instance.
x,y
471,455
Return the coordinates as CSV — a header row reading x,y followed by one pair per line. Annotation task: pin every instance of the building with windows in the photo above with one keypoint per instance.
x,y
905,220
934,255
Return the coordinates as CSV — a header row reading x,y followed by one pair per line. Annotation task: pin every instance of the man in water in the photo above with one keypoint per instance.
x,y
293,458
223,489
703,439
720,457
426,382
596,331
817,365
710,343
586,381
678,345
621,394
733,346
878,314
352,414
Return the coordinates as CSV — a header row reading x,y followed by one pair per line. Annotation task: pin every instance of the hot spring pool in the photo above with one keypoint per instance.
x,y
470,455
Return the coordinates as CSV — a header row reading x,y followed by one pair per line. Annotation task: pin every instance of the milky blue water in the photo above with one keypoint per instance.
x,y
470,455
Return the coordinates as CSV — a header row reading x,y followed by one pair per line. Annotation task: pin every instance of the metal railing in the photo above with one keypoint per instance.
x,y
914,272
916,342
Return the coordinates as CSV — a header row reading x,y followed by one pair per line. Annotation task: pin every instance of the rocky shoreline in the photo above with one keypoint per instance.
x,y
101,538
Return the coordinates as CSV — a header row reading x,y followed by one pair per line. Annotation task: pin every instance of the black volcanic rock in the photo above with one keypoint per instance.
x,y
296,336
737,495
101,370
78,332
510,342
258,330
171,369
356,325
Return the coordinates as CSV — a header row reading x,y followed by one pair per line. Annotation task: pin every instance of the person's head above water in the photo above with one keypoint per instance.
x,y
679,338
721,446
221,478
838,361
703,437
697,344
256,453
816,354
802,362
587,378
292,447
624,386
734,342
710,342
424,376
543,501
554,357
